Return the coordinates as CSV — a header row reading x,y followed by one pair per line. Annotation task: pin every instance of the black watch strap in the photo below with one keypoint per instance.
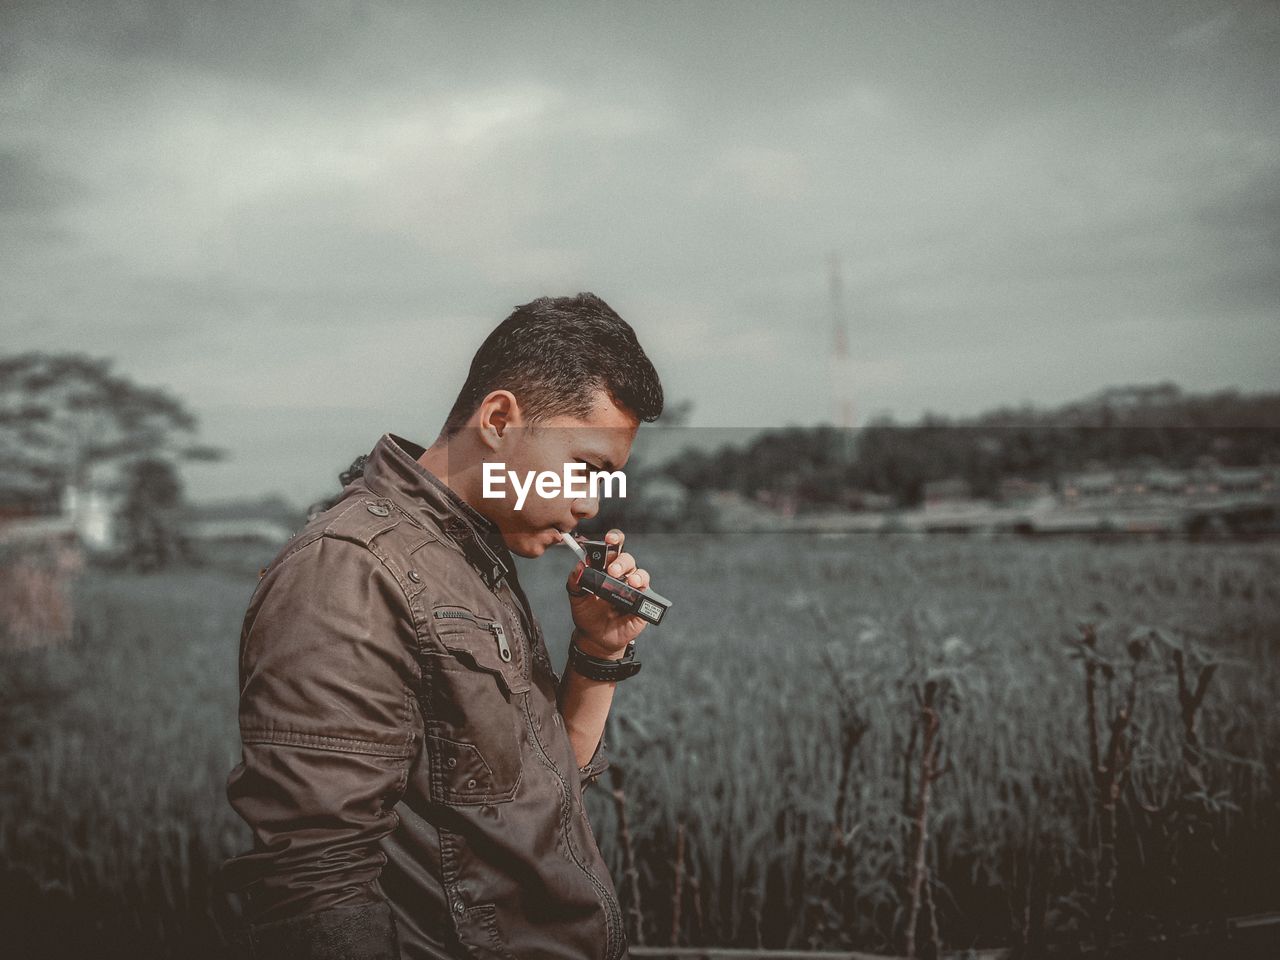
x,y
597,668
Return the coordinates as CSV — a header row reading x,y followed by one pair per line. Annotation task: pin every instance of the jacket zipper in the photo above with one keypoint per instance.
x,y
613,912
500,635
504,651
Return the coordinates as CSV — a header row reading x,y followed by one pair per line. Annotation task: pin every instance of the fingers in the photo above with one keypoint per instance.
x,y
613,552
624,568
571,585
622,564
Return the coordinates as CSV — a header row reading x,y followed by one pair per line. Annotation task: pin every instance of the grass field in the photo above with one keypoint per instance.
x,y
772,782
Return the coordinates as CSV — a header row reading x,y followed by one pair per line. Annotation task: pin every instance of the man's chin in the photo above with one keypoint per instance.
x,y
533,545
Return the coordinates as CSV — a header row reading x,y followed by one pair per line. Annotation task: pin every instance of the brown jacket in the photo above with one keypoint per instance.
x,y
406,772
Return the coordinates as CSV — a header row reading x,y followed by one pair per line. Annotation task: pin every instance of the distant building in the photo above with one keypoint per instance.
x,y
1018,490
736,513
952,490
80,515
91,511
23,499
1091,485
269,520
782,502
1245,479
1206,482
859,499
1162,480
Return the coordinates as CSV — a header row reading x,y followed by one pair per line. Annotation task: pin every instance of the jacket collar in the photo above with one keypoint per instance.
x,y
392,470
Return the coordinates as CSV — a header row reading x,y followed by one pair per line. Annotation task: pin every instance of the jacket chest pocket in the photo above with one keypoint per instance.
x,y
472,709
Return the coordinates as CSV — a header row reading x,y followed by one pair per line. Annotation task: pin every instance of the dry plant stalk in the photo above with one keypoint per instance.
x,y
919,894
630,874
1109,769
1189,703
1187,822
853,726
678,891
1031,878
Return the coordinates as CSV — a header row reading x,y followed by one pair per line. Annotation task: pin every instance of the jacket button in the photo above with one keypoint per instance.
x,y
379,509
413,575
458,907
453,762
471,784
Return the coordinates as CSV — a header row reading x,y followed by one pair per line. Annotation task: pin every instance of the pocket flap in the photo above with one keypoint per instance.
x,y
482,642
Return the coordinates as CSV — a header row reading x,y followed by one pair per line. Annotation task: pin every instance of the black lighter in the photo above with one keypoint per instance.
x,y
595,554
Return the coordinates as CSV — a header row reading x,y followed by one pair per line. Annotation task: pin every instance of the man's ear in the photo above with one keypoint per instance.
x,y
498,411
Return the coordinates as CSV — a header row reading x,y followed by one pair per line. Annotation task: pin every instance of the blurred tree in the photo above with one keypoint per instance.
x,y
1120,426
151,534
65,416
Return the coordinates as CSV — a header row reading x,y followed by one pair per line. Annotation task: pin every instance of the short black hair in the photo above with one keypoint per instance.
x,y
553,353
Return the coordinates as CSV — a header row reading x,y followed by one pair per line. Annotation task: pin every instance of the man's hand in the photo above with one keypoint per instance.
x,y
602,629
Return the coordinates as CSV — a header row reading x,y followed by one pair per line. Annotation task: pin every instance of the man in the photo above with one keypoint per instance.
x,y
413,766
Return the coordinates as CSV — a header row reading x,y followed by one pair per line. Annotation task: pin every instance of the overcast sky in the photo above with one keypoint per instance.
x,y
303,218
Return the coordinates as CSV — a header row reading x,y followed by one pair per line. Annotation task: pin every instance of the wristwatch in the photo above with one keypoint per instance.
x,y
597,668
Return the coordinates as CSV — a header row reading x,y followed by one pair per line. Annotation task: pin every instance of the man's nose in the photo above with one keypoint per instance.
x,y
584,508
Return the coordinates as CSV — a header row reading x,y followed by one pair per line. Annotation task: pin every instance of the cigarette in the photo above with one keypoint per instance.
x,y
573,545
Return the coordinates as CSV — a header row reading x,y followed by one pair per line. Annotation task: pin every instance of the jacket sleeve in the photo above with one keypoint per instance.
x,y
328,727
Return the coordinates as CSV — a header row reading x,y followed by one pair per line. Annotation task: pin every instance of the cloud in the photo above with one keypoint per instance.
x,y
259,202
1205,33
28,186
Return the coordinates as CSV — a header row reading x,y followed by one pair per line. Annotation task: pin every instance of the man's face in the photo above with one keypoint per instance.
x,y
602,441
